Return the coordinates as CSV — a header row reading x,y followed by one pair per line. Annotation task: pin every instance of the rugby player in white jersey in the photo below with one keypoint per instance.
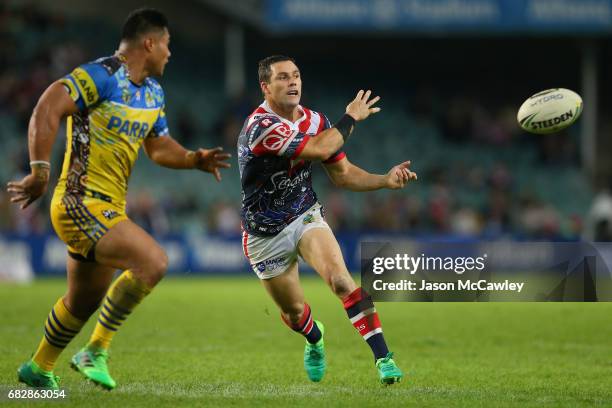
x,y
281,217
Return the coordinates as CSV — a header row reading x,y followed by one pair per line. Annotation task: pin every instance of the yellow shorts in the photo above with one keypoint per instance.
x,y
81,222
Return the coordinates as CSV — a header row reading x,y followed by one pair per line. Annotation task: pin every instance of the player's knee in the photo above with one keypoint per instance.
x,y
342,284
158,266
161,264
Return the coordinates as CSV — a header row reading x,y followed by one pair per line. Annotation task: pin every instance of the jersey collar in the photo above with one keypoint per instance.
x,y
295,124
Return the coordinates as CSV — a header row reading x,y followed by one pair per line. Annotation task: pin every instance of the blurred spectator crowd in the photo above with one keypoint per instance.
x,y
33,53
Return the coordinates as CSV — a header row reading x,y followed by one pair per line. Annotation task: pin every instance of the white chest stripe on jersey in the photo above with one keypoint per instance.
x,y
315,121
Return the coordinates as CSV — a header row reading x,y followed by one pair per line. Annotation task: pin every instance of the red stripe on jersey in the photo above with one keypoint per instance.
x,y
305,124
367,323
259,150
257,111
335,158
301,147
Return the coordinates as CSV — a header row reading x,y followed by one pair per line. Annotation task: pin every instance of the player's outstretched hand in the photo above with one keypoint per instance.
x,y
212,160
400,175
28,189
362,106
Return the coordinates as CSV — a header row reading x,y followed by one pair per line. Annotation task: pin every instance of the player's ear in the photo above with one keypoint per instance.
x,y
148,44
264,87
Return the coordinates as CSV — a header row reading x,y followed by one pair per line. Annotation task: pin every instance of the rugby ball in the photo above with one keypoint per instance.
x,y
550,111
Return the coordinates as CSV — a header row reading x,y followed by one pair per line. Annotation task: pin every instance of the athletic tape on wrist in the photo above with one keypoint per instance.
x,y
40,163
345,125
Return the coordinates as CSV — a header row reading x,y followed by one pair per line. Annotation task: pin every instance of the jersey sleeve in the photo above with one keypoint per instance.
x,y
339,155
268,135
88,85
160,127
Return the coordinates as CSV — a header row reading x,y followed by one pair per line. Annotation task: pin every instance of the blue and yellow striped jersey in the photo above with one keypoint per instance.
x,y
104,137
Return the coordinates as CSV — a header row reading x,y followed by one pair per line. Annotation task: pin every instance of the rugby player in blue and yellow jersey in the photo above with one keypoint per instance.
x,y
113,106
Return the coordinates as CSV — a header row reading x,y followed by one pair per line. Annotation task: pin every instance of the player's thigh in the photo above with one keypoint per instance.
x,y
87,284
82,221
286,290
128,246
320,249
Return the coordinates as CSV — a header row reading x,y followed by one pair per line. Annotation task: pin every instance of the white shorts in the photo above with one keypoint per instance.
x,y
271,256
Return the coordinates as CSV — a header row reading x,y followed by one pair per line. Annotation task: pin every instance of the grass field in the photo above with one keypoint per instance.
x,y
220,342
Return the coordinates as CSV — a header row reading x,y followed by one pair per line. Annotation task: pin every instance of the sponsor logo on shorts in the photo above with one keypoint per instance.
x,y
271,264
109,214
74,240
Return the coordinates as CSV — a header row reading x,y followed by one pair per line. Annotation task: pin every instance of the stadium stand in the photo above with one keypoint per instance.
x,y
479,174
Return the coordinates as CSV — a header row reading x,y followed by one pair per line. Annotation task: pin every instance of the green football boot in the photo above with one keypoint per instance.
x,y
388,372
314,357
92,364
31,374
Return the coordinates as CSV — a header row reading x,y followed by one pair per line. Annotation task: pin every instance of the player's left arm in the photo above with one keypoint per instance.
x,y
346,175
167,152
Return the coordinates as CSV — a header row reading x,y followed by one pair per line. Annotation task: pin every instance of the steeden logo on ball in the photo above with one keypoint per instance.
x,y
550,111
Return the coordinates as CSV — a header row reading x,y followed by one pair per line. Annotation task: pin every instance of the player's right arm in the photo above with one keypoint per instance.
x,y
329,141
85,87
54,104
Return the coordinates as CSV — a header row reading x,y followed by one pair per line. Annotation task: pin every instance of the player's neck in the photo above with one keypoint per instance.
x,y
134,62
290,113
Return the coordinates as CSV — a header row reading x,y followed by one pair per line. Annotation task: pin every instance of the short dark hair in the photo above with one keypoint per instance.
x,y
265,72
142,21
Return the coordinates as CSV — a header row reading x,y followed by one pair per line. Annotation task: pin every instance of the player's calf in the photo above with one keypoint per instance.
x,y
122,298
305,325
83,303
293,313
